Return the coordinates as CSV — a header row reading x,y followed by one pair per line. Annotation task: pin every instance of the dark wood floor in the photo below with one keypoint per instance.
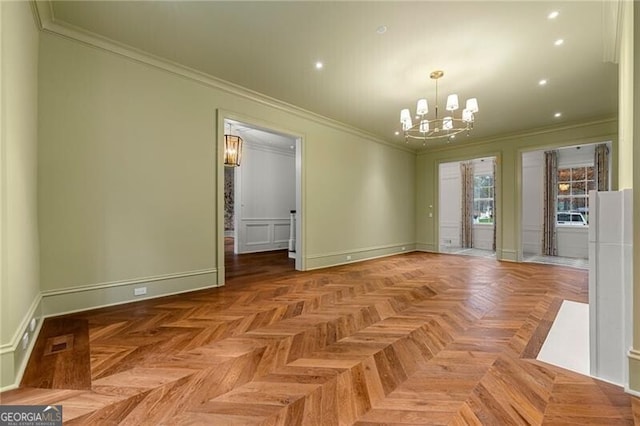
x,y
410,339
247,268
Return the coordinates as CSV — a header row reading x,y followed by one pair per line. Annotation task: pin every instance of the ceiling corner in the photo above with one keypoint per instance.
x,y
43,13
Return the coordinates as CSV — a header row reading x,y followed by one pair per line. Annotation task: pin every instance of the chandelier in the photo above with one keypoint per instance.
x,y
438,127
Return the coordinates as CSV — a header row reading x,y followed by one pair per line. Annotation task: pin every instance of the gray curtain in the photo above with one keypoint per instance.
x,y
601,167
466,173
549,241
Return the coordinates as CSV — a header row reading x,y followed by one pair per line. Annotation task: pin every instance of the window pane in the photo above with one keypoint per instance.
x,y
578,173
564,188
590,173
564,175
591,185
483,199
564,204
578,188
579,204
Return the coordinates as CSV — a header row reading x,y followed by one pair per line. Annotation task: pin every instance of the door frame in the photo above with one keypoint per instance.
x,y
221,116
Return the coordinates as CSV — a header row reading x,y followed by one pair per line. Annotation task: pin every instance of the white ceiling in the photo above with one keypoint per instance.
x,y
258,136
494,51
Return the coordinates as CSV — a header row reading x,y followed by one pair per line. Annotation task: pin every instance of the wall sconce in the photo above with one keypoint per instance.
x,y
232,150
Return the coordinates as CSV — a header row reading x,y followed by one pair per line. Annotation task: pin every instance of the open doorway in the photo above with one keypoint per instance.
x,y
555,202
467,219
262,203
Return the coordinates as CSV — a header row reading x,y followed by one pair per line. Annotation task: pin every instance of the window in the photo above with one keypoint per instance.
x,y
483,199
574,184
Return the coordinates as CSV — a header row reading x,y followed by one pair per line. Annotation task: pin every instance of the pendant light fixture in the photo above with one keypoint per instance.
x,y
232,150
438,127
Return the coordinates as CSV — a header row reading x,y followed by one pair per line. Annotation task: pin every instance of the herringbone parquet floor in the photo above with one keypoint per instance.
x,y
410,339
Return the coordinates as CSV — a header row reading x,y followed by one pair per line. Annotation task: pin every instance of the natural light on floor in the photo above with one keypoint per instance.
x,y
567,344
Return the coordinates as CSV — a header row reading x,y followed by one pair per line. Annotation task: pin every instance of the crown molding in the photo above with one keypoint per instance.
x,y
257,146
518,135
46,18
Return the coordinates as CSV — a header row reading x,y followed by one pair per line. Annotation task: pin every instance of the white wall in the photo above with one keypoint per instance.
x,y
19,271
576,156
610,282
532,201
266,188
450,190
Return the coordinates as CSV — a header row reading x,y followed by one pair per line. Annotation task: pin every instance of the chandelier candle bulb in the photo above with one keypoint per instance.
x,y
436,127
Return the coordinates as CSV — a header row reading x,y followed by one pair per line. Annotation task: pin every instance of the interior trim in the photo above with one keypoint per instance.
x,y
141,280
46,17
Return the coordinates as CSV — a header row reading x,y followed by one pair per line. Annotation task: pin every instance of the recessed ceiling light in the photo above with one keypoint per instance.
x,y
381,29
557,115
553,15
397,133
319,65
559,42
543,82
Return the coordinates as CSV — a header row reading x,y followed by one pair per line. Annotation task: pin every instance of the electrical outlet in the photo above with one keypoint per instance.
x,y
348,257
32,325
25,341
139,291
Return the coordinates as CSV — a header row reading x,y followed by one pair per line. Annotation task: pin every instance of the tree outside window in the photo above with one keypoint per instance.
x,y
483,199
574,184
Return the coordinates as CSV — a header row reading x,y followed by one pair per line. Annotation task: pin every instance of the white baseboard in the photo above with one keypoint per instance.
x,y
508,255
76,299
427,247
13,357
350,256
633,387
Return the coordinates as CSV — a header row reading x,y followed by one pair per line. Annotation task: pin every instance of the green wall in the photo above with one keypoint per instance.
x,y
128,179
19,270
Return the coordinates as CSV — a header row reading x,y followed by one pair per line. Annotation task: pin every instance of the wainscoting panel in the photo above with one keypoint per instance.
x,y
532,240
266,234
483,237
281,232
256,233
573,241
449,234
